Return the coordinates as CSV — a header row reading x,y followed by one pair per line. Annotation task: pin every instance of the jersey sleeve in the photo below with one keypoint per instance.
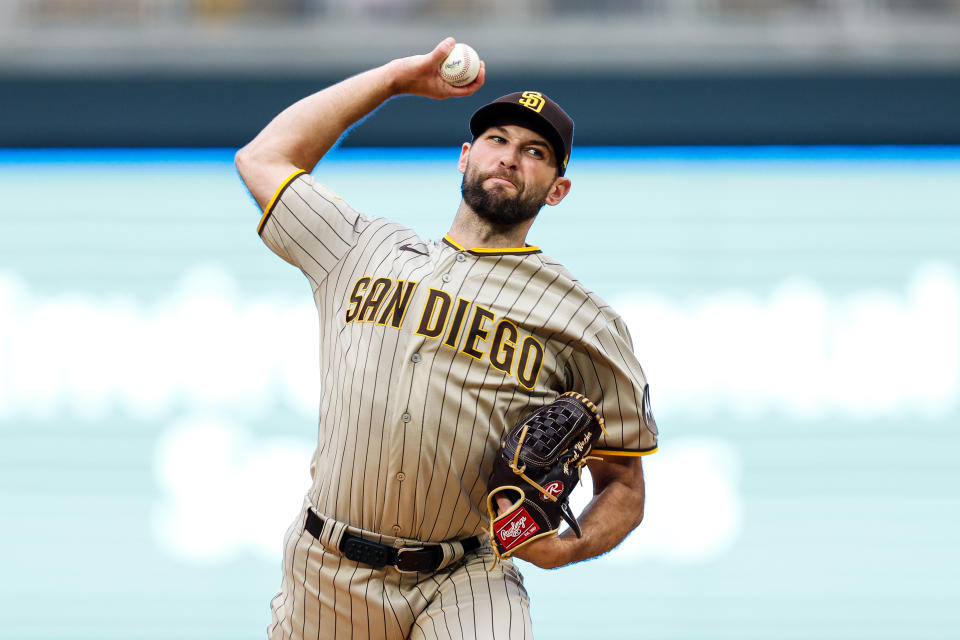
x,y
309,226
605,369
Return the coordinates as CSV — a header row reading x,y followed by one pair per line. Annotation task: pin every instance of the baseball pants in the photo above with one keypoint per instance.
x,y
325,595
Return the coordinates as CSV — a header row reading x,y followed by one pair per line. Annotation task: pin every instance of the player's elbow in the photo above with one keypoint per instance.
x,y
634,509
243,160
628,489
261,170
253,159
638,491
636,498
638,515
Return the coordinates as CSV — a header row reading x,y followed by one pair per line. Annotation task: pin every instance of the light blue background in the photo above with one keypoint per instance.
x,y
850,526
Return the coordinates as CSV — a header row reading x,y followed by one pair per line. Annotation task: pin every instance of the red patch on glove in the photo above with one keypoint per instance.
x,y
515,529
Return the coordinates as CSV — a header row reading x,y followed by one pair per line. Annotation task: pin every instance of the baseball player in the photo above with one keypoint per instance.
x,y
430,351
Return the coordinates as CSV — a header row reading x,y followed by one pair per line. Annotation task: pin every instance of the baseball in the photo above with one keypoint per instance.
x,y
461,66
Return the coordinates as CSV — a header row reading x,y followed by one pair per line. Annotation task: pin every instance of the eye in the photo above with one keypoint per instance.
x,y
536,152
497,139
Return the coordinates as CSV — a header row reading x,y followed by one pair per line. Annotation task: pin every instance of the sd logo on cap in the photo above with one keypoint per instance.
x,y
532,100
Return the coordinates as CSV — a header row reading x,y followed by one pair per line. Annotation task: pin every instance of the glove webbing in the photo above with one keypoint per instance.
x,y
517,469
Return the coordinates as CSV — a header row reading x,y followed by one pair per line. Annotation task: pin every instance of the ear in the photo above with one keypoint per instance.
x,y
464,156
559,190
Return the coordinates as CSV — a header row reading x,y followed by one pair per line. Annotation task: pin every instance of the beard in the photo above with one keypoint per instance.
x,y
495,206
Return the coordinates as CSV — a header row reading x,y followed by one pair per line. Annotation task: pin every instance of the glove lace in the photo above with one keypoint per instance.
x,y
519,469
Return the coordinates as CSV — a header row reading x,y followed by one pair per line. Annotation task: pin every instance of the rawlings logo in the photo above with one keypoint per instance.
x,y
516,529
555,488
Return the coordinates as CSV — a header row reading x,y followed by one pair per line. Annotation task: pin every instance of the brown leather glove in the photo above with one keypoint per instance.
x,y
538,466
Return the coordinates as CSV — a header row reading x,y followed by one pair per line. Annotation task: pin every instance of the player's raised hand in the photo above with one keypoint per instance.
x,y
420,74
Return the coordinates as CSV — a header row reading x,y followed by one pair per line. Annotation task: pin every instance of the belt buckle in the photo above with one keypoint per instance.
x,y
399,564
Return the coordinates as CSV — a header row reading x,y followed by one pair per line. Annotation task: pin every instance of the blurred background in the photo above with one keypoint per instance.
x,y
769,192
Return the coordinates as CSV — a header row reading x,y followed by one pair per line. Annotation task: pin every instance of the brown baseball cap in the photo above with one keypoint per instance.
x,y
535,111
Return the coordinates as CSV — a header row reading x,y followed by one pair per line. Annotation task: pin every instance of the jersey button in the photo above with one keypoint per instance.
x,y
405,417
415,357
396,529
461,257
445,277
401,476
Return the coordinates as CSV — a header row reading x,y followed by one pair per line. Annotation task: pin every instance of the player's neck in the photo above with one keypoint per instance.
x,y
473,232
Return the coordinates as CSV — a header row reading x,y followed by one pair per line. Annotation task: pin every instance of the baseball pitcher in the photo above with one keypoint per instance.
x,y
466,382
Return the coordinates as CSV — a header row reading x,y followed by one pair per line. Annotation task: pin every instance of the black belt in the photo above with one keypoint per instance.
x,y
422,559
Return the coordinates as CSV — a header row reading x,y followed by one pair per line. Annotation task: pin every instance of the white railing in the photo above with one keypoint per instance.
x,y
63,36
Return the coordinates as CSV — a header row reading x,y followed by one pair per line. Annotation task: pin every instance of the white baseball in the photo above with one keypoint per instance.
x,y
461,66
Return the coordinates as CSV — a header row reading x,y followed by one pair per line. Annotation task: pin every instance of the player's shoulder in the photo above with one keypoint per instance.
x,y
300,193
316,195
563,278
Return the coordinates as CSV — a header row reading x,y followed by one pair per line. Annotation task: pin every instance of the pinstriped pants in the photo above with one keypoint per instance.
x,y
328,596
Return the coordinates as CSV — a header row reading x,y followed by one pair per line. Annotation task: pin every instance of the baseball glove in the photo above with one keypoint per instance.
x,y
537,467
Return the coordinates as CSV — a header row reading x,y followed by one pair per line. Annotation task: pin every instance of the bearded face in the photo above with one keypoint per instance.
x,y
498,203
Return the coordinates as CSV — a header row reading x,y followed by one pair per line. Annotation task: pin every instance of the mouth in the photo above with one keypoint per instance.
x,y
500,180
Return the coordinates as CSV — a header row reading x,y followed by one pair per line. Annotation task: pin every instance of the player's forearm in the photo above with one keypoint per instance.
x,y
306,130
606,521
615,511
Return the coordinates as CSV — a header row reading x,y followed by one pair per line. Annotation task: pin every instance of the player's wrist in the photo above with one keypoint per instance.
x,y
549,552
396,80
413,75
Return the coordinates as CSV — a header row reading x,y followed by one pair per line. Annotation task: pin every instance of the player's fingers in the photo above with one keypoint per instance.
x,y
442,50
479,80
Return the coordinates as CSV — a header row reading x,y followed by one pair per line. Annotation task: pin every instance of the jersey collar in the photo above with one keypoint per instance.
x,y
492,252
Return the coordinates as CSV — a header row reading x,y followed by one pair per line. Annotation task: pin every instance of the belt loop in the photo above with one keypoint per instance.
x,y
334,532
452,551
327,532
455,551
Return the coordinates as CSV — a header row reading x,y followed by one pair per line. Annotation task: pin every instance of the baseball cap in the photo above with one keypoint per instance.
x,y
533,110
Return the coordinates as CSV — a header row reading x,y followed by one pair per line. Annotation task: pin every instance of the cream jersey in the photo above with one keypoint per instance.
x,y
429,352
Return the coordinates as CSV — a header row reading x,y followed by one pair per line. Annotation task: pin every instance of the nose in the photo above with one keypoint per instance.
x,y
509,156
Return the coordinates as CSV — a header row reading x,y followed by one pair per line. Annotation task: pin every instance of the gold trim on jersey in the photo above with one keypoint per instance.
x,y
276,197
622,452
491,252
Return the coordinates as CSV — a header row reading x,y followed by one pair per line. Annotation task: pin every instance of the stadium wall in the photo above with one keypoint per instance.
x,y
792,107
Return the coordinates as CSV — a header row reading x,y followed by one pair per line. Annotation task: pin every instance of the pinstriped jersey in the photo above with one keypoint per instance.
x,y
429,352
